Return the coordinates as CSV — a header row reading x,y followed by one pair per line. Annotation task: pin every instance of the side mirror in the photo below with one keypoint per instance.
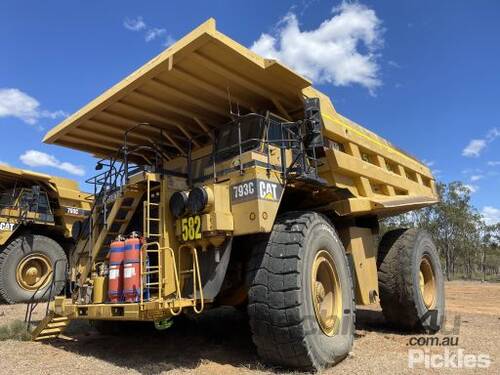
x,y
313,123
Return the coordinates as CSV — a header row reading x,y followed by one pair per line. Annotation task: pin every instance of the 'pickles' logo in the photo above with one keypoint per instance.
x,y
7,227
253,189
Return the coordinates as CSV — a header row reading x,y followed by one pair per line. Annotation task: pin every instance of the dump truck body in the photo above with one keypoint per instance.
x,y
247,187
36,204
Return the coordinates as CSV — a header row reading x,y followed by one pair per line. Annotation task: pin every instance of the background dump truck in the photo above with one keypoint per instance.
x,y
37,213
227,179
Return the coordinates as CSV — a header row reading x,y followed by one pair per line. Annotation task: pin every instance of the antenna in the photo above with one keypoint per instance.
x,y
229,100
233,114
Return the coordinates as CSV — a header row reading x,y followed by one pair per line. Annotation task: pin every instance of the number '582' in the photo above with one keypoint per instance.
x,y
191,228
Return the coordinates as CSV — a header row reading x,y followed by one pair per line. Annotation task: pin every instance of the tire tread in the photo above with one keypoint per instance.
x,y
275,294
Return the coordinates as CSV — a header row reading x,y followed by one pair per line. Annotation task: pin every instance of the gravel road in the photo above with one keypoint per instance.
x,y
219,343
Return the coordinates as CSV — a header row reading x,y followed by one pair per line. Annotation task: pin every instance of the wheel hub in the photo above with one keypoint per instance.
x,y
427,282
320,292
326,293
32,271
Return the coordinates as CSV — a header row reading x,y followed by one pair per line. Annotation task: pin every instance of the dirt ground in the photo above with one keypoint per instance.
x,y
219,342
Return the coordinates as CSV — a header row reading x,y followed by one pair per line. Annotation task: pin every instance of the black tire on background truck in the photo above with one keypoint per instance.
x,y
411,282
25,262
300,301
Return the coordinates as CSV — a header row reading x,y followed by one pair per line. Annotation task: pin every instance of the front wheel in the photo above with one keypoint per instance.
x,y
300,301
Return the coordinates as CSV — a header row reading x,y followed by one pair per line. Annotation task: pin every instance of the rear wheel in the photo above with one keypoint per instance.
x,y
27,264
411,281
300,301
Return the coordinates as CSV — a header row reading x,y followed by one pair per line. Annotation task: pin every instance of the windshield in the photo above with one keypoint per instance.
x,y
7,198
227,145
228,139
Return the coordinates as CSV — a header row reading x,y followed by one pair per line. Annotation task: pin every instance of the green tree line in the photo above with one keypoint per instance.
x,y
469,248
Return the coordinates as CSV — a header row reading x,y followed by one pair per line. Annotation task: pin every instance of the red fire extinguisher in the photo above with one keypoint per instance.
x,y
116,257
131,270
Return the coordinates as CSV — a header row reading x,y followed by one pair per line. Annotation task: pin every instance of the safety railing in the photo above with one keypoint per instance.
x,y
35,300
194,272
281,135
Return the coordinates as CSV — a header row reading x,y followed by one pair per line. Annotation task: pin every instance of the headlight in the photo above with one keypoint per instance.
x,y
178,203
197,201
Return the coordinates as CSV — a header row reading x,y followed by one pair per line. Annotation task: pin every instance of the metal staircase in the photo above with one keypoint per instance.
x,y
52,326
115,222
118,191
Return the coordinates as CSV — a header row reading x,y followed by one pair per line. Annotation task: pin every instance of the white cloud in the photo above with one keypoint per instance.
x,y
154,33
429,163
343,50
472,170
16,103
35,158
150,33
474,148
169,40
491,215
394,64
476,177
493,134
134,24
471,188
493,163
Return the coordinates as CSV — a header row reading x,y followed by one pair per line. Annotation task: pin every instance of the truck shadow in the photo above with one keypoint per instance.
x,y
372,320
221,336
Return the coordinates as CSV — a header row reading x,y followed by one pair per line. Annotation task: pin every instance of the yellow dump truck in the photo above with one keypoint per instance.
x,y
227,179
37,213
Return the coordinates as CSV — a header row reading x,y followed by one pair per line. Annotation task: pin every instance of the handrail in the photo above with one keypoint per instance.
x,y
33,302
292,137
111,181
197,283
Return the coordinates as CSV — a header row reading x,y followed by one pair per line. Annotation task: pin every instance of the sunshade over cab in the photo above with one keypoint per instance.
x,y
189,89
184,90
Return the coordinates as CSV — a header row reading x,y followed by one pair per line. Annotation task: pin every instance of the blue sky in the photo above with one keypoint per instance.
x,y
423,74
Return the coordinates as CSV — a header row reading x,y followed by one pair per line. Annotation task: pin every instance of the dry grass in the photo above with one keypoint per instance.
x,y
16,330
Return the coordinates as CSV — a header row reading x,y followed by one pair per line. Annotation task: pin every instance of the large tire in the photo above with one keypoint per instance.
x,y
282,315
46,251
411,282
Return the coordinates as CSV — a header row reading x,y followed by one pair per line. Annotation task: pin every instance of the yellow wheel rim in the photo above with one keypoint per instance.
x,y
326,293
427,282
32,271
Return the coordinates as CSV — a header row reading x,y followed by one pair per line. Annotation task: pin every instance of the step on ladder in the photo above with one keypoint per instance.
x,y
52,326
151,220
147,270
